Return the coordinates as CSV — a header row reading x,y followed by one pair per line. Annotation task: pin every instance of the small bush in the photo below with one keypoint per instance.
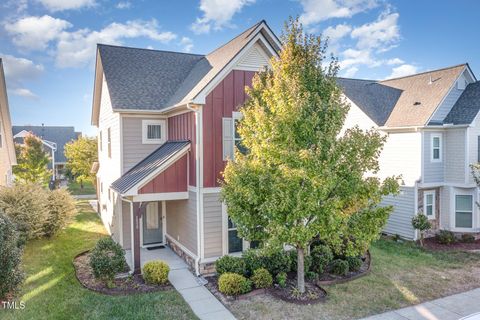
x,y
340,267
229,264
307,261
60,208
468,238
354,263
420,222
276,261
446,237
253,260
155,272
107,259
311,276
282,279
262,278
11,275
233,284
321,256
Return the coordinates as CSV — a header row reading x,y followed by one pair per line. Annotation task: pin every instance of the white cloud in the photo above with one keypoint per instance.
x,y
217,14
187,44
315,11
378,34
350,72
23,92
337,32
34,33
394,61
124,5
18,70
403,70
61,5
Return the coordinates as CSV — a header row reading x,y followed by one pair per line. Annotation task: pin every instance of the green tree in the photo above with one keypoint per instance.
x,y
32,161
81,154
301,178
420,222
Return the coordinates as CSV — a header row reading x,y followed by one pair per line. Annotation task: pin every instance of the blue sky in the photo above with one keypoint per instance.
x,y
48,46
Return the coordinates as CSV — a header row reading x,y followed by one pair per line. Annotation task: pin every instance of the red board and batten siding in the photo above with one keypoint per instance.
x,y
173,179
182,127
225,98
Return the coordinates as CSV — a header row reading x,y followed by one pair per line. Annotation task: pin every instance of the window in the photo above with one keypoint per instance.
x,y
237,116
153,131
231,137
436,148
100,140
151,216
109,143
235,243
429,204
463,211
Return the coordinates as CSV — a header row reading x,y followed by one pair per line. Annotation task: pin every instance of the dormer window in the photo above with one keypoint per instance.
x,y
436,148
153,131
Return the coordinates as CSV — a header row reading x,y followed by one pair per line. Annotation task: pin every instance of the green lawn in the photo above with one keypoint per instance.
x,y
401,275
51,290
74,188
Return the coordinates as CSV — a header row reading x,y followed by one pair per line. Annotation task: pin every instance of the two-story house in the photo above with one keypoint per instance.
x,y
433,135
7,147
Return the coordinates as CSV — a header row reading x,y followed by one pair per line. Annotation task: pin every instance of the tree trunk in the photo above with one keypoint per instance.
x,y
81,184
421,239
300,270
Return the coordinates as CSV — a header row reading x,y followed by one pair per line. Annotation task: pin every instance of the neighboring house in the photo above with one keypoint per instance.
x,y
53,137
433,135
166,126
7,147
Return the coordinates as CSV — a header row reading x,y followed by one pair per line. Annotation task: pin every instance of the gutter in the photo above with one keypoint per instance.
x,y
417,128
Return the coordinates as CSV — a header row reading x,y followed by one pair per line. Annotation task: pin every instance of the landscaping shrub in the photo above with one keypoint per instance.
x,y
468,238
420,222
262,278
155,272
11,275
107,259
229,264
60,207
25,205
446,237
277,261
307,261
340,267
233,284
282,279
253,260
321,255
311,276
354,263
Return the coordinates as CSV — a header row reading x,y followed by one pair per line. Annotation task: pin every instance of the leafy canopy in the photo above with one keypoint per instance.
x,y
81,154
32,161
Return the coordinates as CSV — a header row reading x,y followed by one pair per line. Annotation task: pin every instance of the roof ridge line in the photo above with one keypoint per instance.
x,y
147,49
425,72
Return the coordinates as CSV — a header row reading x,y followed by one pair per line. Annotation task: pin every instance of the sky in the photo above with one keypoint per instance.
x,y
48,46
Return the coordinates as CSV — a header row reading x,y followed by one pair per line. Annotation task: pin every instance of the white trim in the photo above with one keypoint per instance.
x,y
120,124
164,220
440,147
416,233
224,229
154,122
433,194
467,153
454,212
160,196
192,188
447,184
181,246
422,156
139,114
200,186
142,245
211,190
132,234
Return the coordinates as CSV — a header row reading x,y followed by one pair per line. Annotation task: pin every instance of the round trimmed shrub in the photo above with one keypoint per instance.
x,y
107,259
229,264
281,279
262,278
60,207
321,255
155,272
233,284
11,275
446,237
340,267
354,263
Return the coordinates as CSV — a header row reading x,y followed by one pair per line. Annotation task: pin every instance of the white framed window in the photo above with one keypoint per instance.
x,y
231,137
429,204
109,143
235,243
464,211
153,131
436,148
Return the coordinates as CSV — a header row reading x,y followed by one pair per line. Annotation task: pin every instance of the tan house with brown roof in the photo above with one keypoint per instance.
x,y
433,136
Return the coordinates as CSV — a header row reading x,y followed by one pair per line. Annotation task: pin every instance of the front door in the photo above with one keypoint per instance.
x,y
152,224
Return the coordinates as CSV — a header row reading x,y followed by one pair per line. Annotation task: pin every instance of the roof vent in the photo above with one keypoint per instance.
x,y
417,103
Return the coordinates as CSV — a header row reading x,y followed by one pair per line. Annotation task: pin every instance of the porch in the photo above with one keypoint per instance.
x,y
164,253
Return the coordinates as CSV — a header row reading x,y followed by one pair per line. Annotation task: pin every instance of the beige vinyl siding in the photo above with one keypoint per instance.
x,y
212,225
455,155
182,221
432,171
126,225
133,149
400,221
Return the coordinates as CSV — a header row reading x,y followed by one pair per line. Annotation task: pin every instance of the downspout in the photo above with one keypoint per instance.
x,y
196,109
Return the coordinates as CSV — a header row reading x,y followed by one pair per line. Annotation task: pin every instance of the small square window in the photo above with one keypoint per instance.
x,y
153,131
436,148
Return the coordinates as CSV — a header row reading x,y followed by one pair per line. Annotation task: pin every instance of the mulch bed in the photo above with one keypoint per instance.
x,y
122,286
432,244
328,279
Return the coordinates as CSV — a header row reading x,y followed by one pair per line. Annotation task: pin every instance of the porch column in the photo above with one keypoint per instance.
x,y
136,214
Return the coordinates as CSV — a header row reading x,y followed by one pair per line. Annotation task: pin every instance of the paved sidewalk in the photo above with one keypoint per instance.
x,y
449,308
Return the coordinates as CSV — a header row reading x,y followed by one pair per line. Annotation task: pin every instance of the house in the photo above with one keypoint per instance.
x,y
166,126
54,139
432,127
7,147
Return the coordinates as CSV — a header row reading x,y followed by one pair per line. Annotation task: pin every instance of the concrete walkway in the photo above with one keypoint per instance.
x,y
449,308
201,300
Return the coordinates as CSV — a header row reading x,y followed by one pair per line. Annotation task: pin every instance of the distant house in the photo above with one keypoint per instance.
x,y
7,147
56,136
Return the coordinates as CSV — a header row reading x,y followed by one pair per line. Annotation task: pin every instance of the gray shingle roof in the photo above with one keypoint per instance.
x,y
373,98
466,107
148,165
60,135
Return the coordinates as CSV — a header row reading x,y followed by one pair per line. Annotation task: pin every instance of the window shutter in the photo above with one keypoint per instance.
x,y
227,138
